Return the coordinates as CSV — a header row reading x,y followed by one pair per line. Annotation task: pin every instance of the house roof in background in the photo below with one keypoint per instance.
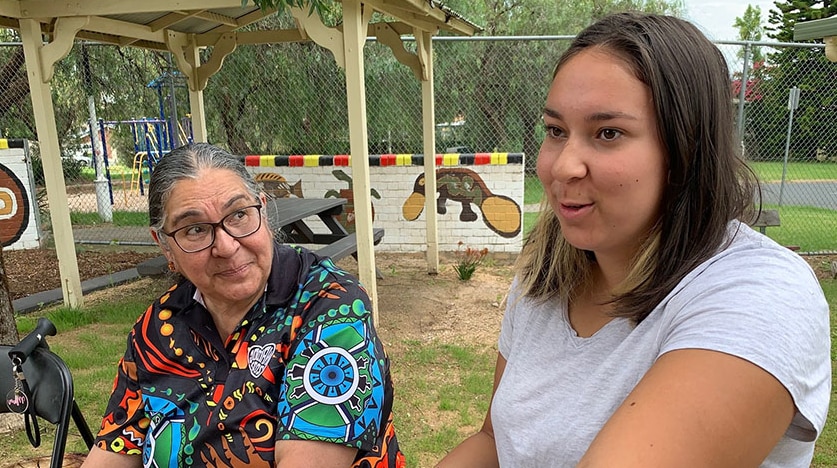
x,y
815,29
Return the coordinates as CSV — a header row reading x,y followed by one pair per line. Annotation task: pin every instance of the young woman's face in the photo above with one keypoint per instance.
x,y
602,164
232,271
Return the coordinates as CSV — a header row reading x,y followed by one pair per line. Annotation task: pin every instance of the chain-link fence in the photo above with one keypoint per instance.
x,y
291,99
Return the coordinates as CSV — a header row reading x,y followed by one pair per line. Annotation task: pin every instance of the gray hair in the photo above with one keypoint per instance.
x,y
187,162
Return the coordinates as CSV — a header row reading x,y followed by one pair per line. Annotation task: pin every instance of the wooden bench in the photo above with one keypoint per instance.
x,y
767,218
347,245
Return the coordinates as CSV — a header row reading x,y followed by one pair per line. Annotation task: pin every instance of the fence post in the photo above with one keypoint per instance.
x,y
793,103
742,93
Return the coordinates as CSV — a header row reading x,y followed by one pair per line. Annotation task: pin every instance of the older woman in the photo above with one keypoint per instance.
x,y
262,355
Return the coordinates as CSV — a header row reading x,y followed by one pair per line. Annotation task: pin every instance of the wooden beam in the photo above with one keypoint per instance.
x,y
178,45
246,19
225,46
63,38
330,38
52,8
355,26
59,210
196,97
170,19
417,13
253,37
10,8
217,18
424,52
125,29
389,37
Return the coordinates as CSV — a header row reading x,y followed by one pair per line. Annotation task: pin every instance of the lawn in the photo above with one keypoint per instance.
x,y
795,171
440,335
810,229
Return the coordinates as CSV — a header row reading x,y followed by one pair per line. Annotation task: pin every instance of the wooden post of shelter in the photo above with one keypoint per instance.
x,y
40,63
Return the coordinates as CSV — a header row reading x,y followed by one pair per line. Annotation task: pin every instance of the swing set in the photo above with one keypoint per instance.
x,y
152,137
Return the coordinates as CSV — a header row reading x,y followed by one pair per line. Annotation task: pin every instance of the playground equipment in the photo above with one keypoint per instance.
x,y
152,137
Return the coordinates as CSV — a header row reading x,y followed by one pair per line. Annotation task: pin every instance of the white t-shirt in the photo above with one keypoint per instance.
x,y
755,299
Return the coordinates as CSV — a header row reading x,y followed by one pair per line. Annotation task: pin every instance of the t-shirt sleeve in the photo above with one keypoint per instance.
x,y
766,306
124,423
335,388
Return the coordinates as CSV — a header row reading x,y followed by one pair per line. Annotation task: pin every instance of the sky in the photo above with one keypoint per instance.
x,y
716,17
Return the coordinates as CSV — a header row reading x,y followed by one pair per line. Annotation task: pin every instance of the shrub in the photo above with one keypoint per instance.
x,y
467,261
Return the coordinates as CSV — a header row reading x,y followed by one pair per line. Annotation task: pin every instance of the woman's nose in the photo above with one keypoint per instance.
x,y
568,163
224,242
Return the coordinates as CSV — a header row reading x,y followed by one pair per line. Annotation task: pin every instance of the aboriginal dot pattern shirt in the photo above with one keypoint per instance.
x,y
305,363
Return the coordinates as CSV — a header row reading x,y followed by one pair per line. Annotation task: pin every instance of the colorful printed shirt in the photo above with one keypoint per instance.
x,y
305,363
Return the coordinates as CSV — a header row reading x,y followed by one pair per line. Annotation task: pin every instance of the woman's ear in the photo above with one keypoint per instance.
x,y
159,240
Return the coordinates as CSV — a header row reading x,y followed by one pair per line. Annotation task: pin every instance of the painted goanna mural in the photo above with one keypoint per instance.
x,y
499,212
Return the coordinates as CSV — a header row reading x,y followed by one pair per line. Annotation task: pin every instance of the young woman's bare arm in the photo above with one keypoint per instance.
x,y
695,408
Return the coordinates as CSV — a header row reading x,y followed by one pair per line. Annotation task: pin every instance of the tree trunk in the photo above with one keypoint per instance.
x,y
8,330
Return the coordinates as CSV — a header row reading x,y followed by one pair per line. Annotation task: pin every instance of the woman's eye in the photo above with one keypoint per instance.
x,y
196,230
609,134
554,132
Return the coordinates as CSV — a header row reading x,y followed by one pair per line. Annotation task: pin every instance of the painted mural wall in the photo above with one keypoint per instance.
x,y
479,197
19,227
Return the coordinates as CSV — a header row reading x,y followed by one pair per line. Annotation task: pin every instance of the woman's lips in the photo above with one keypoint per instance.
x,y
573,211
230,272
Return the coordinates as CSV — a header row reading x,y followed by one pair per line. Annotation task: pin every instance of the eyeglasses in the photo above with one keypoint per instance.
x,y
196,237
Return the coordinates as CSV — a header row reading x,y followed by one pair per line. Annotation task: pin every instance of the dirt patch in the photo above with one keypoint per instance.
x,y
413,304
36,270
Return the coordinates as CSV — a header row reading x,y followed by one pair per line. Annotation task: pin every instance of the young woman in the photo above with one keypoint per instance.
x,y
648,326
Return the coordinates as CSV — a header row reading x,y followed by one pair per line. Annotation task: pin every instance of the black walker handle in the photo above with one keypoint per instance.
x,y
31,341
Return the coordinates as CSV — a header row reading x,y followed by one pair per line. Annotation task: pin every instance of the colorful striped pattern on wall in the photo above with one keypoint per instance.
x,y
445,159
11,143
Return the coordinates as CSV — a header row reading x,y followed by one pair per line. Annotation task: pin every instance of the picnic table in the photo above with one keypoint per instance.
x,y
288,219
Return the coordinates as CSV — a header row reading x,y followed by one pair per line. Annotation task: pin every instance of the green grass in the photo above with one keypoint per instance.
x,y
772,171
116,170
120,218
766,172
442,389
826,450
811,229
532,189
443,394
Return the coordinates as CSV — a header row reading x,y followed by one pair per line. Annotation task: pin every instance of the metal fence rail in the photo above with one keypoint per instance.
x,y
290,99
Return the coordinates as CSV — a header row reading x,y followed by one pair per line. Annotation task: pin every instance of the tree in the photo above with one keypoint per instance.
x,y
508,95
8,329
750,29
807,69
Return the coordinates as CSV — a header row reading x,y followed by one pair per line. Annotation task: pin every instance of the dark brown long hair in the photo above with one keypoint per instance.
x,y
708,184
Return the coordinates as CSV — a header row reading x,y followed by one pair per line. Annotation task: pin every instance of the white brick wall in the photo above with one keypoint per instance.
x,y
395,185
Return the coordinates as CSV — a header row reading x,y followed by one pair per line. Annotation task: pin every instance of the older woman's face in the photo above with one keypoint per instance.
x,y
232,272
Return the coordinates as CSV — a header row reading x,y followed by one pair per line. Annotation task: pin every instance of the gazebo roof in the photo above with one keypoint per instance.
x,y
146,23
